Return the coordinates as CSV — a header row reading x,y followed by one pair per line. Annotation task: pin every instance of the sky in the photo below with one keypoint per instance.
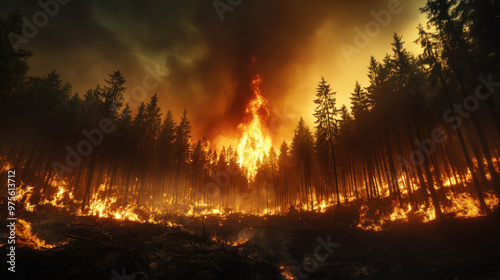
x,y
204,53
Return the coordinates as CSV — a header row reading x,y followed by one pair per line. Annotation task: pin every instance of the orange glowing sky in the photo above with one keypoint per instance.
x,y
210,61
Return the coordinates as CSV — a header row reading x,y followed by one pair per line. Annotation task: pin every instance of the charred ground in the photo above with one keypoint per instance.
x,y
100,248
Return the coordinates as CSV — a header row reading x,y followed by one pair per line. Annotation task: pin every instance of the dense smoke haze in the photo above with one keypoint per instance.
x,y
294,43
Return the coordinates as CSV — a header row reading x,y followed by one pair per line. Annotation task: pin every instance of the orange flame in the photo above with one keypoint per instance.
x,y
59,195
461,205
254,144
235,243
286,273
29,239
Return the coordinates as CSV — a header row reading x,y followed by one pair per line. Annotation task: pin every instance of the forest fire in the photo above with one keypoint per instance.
x,y
178,169
254,142
461,205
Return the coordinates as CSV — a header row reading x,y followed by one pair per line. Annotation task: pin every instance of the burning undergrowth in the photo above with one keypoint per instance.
x,y
373,215
150,241
377,215
27,238
146,251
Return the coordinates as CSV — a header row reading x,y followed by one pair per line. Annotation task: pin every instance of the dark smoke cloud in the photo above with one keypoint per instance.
x,y
210,61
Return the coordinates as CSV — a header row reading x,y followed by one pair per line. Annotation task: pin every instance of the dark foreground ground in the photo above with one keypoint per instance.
x,y
109,249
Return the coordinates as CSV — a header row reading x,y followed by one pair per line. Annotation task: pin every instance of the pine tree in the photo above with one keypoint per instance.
x,y
302,153
325,113
360,102
13,61
182,146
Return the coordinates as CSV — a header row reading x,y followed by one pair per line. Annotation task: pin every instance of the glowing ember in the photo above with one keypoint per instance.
x,y
27,238
26,193
6,166
231,243
254,144
367,223
491,200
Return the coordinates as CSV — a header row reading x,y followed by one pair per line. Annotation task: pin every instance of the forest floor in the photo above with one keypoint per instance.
x,y
304,245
